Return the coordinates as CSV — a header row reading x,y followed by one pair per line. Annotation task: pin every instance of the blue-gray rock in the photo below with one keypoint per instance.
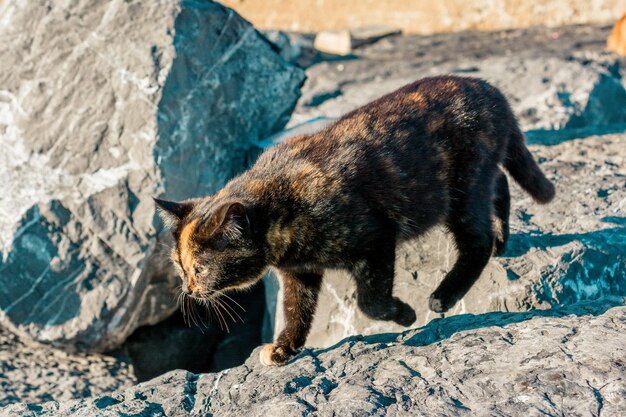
x,y
559,362
103,106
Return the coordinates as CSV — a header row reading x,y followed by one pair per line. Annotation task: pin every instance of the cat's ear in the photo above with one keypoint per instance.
x,y
230,219
172,212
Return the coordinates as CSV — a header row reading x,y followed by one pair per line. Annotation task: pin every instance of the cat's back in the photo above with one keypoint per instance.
x,y
408,126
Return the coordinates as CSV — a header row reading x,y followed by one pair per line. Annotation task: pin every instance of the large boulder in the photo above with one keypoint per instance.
x,y
103,106
559,362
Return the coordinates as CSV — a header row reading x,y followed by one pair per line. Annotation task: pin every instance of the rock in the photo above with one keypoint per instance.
x,y
35,374
104,106
552,83
617,39
336,42
38,373
559,362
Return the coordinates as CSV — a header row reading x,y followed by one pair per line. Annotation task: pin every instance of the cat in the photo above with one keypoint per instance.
x,y
429,153
617,39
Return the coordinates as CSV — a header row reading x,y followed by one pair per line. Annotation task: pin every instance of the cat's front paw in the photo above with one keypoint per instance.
x,y
274,355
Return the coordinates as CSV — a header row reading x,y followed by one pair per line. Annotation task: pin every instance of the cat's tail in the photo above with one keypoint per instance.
x,y
523,168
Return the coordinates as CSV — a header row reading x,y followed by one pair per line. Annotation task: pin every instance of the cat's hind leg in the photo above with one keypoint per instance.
x,y
501,211
471,224
374,279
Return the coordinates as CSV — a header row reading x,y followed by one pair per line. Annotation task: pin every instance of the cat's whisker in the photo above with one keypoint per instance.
x,y
222,294
186,310
228,307
219,314
221,303
192,311
198,319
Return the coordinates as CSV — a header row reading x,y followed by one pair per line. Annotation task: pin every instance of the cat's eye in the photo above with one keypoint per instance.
x,y
219,243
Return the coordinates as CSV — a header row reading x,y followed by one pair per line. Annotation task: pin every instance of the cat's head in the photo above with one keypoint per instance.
x,y
214,249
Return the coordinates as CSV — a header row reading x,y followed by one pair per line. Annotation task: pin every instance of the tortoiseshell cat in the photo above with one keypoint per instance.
x,y
426,154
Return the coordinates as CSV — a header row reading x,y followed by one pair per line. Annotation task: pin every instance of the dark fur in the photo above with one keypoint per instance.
x,y
426,154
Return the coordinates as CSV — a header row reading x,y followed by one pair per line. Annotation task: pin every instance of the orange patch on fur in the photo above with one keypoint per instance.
x,y
255,186
451,86
308,181
617,39
186,249
297,140
417,97
347,127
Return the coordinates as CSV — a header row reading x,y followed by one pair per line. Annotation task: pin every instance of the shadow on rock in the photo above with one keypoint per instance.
x,y
200,346
440,329
586,266
443,328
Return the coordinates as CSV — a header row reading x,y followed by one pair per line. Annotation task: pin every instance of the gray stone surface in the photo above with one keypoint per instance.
x,y
559,362
35,373
554,78
103,106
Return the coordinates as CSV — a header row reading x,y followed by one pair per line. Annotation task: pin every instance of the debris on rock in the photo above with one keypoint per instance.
x,y
343,42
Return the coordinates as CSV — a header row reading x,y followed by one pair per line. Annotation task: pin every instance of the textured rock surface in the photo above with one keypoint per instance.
x,y
553,78
34,374
102,106
533,363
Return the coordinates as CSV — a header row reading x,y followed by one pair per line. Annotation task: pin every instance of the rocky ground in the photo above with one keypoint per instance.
x,y
35,373
564,361
536,363
554,77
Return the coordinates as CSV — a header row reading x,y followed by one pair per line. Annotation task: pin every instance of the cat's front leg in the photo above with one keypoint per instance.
x,y
301,292
374,279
